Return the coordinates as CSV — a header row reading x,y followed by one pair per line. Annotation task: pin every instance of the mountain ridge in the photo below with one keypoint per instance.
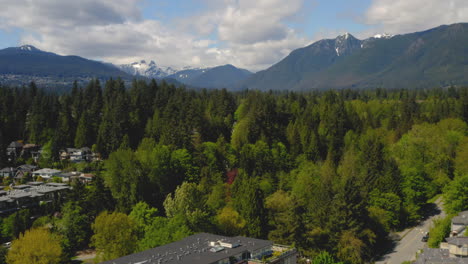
x,y
28,60
224,76
434,57
346,62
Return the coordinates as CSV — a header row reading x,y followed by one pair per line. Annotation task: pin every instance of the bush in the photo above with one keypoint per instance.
x,y
439,231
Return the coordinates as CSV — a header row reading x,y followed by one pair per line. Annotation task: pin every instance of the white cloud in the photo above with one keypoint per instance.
x,y
124,43
248,22
46,15
253,34
249,34
404,16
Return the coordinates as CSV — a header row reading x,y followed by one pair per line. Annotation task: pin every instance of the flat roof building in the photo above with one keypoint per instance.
x,y
29,196
204,248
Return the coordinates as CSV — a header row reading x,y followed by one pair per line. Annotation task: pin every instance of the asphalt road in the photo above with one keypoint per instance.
x,y
406,248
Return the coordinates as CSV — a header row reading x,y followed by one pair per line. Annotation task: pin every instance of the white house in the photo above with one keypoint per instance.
x,y
46,173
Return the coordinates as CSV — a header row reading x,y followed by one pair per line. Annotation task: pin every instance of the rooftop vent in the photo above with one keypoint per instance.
x,y
226,244
216,249
229,244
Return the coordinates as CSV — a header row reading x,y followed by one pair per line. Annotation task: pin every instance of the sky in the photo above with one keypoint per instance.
x,y
250,34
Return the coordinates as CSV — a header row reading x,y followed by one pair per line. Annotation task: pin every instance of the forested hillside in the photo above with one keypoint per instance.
x,y
331,171
430,58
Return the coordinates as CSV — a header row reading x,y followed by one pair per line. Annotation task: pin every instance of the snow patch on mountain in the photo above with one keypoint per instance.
x,y
346,44
28,48
150,70
384,36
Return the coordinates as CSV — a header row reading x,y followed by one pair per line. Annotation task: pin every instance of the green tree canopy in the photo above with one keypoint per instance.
x,y
35,246
114,235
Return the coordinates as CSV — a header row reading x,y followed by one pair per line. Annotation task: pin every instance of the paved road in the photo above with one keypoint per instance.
x,y
406,248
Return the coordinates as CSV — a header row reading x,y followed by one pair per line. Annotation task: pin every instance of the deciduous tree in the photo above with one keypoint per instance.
x,y
36,246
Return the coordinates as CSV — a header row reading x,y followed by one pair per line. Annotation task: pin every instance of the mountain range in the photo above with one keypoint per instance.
x,y
150,70
20,65
435,57
225,76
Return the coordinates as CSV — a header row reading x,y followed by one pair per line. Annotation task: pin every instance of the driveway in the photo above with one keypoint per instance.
x,y
410,243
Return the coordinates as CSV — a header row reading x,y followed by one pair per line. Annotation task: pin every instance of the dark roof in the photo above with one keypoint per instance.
x,y
27,167
437,256
458,241
461,218
194,249
66,174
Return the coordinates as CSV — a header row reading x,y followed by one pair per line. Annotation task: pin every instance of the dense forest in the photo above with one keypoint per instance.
x,y
325,171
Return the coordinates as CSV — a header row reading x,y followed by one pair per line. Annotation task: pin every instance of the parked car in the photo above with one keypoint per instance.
x,y
425,237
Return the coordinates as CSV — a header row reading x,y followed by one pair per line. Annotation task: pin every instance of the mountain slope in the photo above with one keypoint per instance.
x,y
187,75
225,76
435,57
28,60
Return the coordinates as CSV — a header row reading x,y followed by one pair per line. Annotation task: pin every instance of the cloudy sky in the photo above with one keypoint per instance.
x,y
251,34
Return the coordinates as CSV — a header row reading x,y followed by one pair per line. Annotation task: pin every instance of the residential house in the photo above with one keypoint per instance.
x,y
23,170
453,251
86,177
77,154
14,150
30,196
457,247
437,256
31,151
204,248
459,224
68,176
8,172
65,176
46,173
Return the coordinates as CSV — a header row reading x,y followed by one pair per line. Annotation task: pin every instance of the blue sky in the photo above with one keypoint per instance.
x,y
246,33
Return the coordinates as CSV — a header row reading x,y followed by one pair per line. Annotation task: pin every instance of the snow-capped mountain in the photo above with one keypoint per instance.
x,y
346,44
150,70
